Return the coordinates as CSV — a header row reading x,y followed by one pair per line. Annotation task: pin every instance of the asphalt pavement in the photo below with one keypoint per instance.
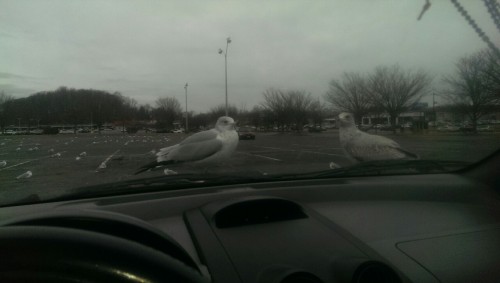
x,y
57,162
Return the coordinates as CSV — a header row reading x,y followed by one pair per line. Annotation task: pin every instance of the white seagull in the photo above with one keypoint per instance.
x,y
3,163
365,147
201,149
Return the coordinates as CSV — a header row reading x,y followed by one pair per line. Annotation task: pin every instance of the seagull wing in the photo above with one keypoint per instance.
x,y
194,148
193,151
373,147
191,142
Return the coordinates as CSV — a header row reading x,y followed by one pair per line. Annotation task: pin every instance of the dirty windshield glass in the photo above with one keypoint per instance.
x,y
187,92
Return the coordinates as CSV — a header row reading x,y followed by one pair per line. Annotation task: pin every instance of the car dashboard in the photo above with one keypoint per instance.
x,y
412,228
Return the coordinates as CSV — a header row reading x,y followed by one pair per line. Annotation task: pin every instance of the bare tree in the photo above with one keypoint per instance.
x,y
3,99
168,109
317,112
220,110
469,90
349,94
290,108
201,121
394,90
274,102
492,71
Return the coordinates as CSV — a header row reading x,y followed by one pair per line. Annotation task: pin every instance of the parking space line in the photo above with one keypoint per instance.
x,y
103,164
275,148
266,157
25,162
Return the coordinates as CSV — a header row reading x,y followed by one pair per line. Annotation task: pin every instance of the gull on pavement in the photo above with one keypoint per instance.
x,y
366,147
201,149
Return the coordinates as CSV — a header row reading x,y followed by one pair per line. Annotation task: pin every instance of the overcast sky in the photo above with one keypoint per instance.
x,y
150,49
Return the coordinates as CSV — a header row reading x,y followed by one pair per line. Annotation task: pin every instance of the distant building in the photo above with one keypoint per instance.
x,y
329,123
385,119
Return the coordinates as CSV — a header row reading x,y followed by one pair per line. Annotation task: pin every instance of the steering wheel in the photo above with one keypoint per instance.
x,y
55,254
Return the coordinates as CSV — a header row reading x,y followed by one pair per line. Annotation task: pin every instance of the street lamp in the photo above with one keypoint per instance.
x,y
434,105
228,40
186,89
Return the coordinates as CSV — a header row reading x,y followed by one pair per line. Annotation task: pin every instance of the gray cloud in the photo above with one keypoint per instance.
x,y
5,75
16,91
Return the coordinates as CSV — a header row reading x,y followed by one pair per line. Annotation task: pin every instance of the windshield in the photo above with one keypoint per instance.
x,y
106,92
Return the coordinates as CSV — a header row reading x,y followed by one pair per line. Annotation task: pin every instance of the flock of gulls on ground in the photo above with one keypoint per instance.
x,y
207,148
21,147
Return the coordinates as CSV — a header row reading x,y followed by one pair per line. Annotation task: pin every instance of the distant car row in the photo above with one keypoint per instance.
x,y
22,132
164,131
246,133
44,131
464,128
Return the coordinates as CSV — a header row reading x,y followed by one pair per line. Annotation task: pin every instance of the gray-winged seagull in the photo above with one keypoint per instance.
x,y
365,147
201,149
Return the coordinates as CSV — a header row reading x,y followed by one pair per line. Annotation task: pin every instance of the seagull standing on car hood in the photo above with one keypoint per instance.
x,y
201,149
365,147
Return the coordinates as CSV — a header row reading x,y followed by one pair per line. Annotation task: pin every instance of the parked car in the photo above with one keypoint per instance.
x,y
448,128
178,131
50,131
467,128
10,132
484,128
246,133
162,131
36,132
316,129
83,130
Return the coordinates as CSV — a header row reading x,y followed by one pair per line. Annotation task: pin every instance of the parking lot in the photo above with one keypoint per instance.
x,y
58,163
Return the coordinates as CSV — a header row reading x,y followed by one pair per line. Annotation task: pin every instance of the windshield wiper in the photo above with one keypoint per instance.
x,y
190,181
390,167
162,183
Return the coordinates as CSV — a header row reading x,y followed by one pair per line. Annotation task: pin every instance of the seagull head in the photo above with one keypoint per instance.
x,y
224,123
346,120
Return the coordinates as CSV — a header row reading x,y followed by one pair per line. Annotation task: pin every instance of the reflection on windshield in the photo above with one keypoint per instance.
x,y
213,90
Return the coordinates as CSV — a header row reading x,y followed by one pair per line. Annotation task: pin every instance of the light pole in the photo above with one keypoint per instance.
x,y
228,40
186,89
434,105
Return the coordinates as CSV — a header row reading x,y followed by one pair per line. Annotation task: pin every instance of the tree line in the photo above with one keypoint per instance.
x,y
473,90
73,107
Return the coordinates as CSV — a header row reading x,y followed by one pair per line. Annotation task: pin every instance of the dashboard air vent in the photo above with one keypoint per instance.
x,y
257,211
